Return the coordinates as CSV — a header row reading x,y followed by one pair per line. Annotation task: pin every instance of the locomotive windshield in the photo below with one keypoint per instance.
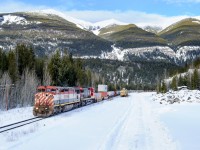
x,y
40,90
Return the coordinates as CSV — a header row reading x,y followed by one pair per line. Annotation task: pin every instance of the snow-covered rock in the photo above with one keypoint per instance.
x,y
155,52
12,19
184,95
187,52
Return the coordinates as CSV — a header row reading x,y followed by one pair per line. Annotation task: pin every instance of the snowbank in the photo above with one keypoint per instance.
x,y
181,96
15,115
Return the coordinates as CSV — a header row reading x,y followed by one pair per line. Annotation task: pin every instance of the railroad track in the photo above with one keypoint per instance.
x,y
19,124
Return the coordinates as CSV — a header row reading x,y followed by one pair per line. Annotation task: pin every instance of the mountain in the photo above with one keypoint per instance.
x,y
48,32
184,38
130,36
183,33
133,43
152,29
89,26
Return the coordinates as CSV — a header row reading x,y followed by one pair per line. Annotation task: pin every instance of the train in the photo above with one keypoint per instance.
x,y
124,92
50,100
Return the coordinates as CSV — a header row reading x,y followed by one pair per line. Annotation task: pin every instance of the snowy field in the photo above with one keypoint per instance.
x,y
137,122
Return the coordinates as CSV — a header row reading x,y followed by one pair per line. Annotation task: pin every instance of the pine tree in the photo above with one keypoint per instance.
x,y
79,72
72,77
31,59
64,70
89,76
3,61
174,83
195,80
12,66
163,87
159,87
180,81
185,80
39,68
54,68
189,81
25,58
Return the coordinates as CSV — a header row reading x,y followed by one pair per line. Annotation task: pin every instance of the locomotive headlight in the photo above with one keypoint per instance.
x,y
37,108
46,108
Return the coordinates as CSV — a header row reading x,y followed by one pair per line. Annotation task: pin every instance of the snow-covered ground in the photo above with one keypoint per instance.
x,y
181,96
15,115
134,122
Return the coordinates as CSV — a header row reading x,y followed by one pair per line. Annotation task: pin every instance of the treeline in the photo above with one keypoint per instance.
x,y
134,75
21,71
187,76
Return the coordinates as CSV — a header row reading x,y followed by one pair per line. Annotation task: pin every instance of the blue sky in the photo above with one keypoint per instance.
x,y
153,12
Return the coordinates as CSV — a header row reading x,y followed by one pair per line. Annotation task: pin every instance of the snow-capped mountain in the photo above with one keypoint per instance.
x,y
46,33
153,29
79,23
48,30
94,27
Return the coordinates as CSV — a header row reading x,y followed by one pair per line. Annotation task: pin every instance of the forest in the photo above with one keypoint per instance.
x,y
21,71
188,76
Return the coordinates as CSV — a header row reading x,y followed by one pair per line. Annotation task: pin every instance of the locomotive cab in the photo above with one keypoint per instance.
x,y
44,101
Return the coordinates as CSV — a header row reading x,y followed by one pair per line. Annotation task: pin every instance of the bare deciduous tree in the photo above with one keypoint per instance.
x,y
5,83
46,76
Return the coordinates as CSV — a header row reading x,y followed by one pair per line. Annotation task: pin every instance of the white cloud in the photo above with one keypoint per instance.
x,y
17,6
139,18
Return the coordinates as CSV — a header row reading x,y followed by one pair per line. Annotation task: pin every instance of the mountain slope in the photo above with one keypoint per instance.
x,y
130,36
183,33
47,32
184,38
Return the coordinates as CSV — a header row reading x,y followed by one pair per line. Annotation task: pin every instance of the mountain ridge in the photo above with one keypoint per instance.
x,y
47,32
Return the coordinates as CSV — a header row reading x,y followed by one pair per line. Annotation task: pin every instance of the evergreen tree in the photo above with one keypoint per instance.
x,y
25,58
195,80
54,68
180,81
159,87
39,68
72,78
189,81
174,83
3,61
12,66
31,59
89,76
64,70
185,80
163,87
79,72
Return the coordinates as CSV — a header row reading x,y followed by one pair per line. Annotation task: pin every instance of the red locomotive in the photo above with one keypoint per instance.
x,y
53,99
